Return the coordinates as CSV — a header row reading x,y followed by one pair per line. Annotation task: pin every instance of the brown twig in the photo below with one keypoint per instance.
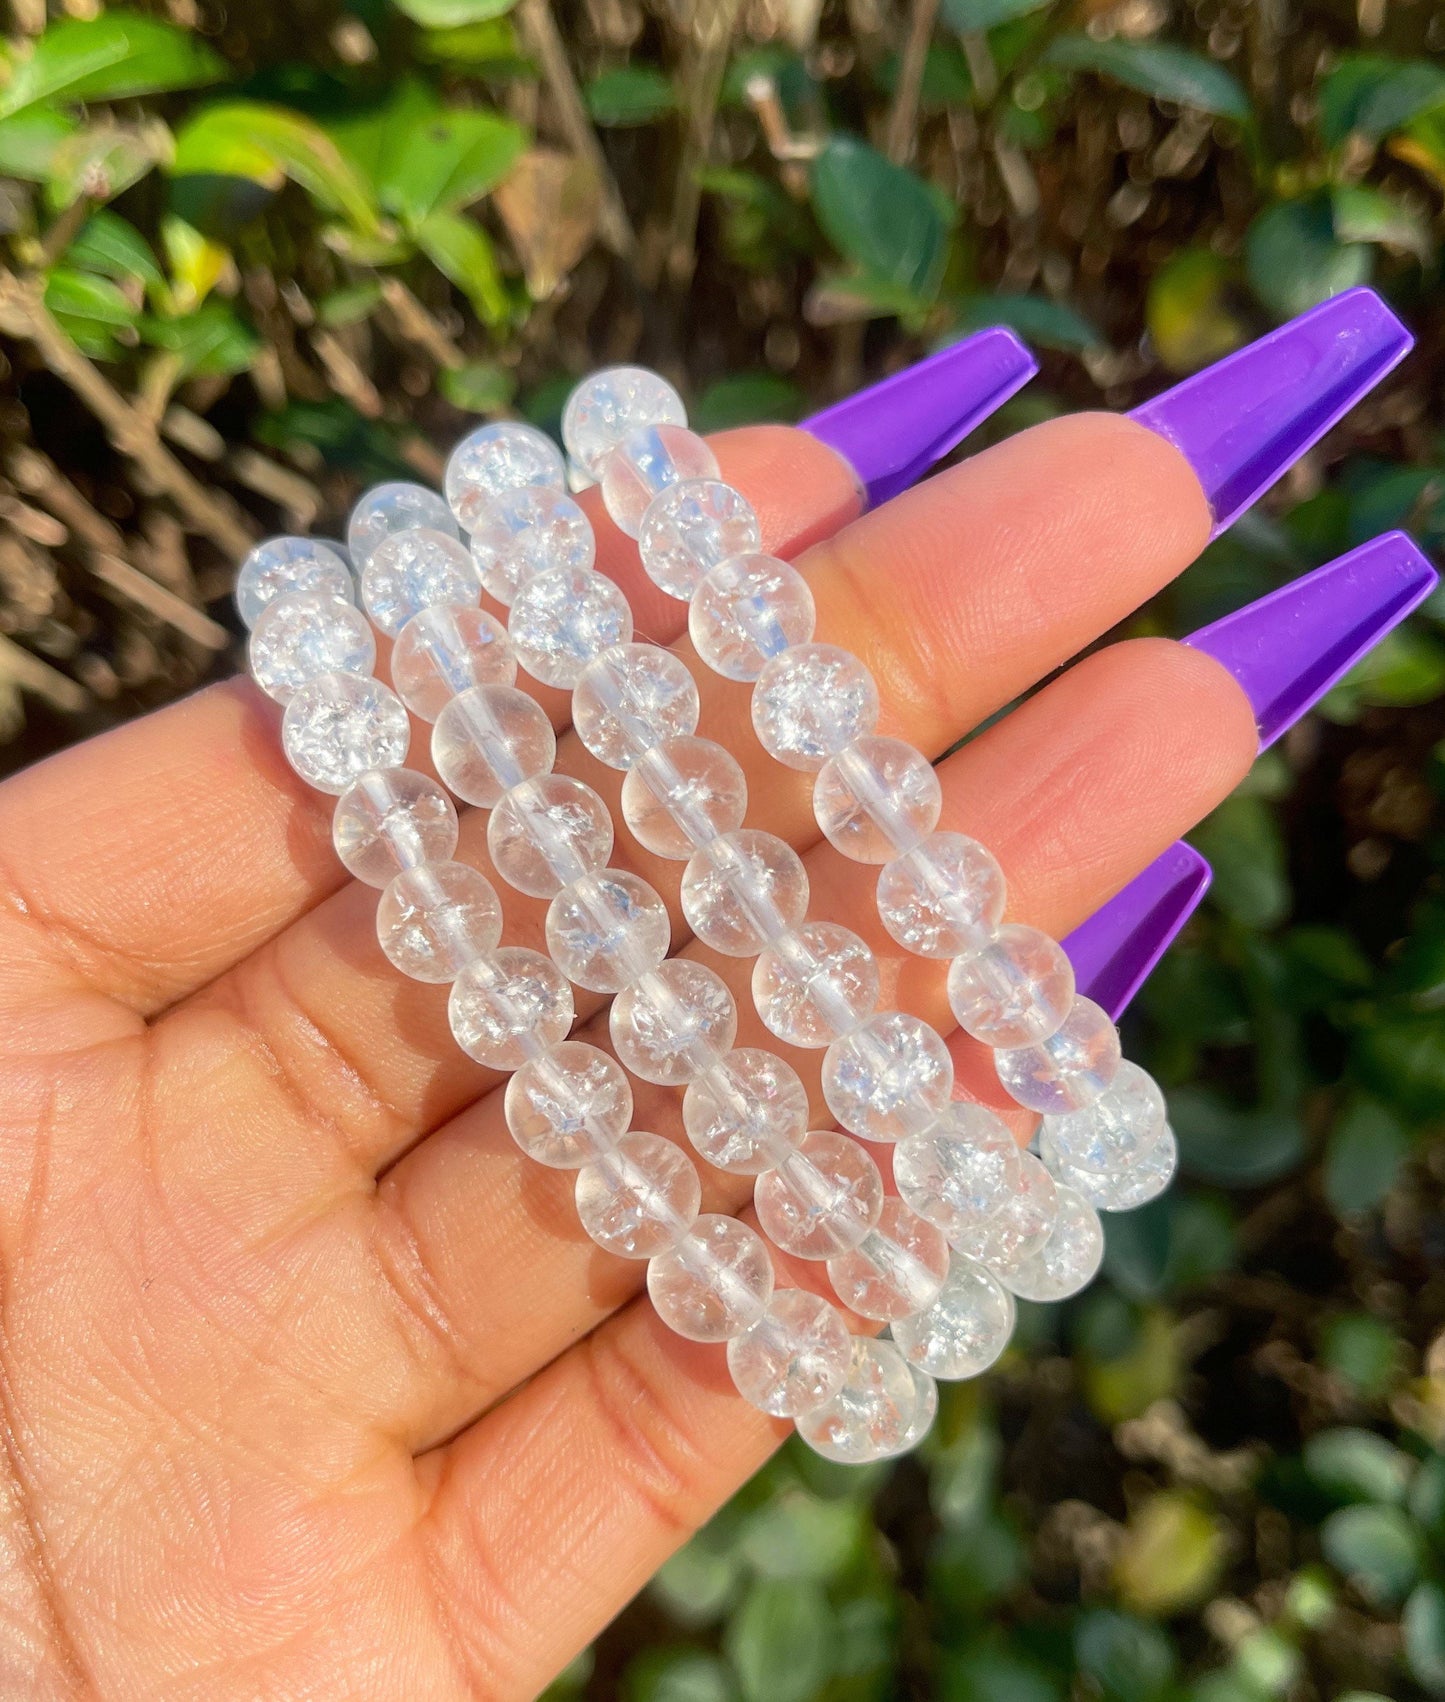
x,y
707,60
417,325
28,673
118,576
902,131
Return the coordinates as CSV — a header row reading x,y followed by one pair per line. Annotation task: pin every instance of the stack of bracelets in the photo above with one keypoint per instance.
x,y
975,1220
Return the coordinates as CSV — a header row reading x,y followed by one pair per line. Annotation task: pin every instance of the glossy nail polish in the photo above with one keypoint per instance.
x,y
1114,952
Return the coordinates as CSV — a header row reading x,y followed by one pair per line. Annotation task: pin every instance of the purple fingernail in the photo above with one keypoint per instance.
x,y
893,432
1290,647
1115,951
1247,419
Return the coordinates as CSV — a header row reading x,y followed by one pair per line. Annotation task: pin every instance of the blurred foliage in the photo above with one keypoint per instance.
x,y
257,256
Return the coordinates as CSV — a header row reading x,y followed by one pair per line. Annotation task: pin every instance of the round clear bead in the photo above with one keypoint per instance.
x,y
510,1007
943,898
746,610
876,798
394,507
794,1358
924,1412
872,1414
965,1328
961,1171
1117,1130
810,702
743,890
1069,1260
1067,1071
283,566
815,984
1019,1228
673,1023
445,650
548,832
435,919
747,1113
415,570
822,1199
611,405
568,1105
640,1198
489,739
683,794
495,459
714,1283
1134,1187
607,928
692,528
392,819
644,464
338,726
897,1268
632,698
526,532
888,1078
564,619
1013,991
304,634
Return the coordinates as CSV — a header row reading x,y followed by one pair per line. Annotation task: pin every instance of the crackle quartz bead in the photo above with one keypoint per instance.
x,y
1115,1131
632,698
489,739
924,1412
435,919
815,984
810,702
565,618
445,650
1124,1189
495,459
673,1023
281,566
876,798
746,1113
397,506
960,1171
743,890
611,405
747,610
822,1199
890,1077
794,1358
606,928
526,532
942,898
897,1268
871,1415
568,1105
304,634
714,1283
392,819
1069,1260
964,1329
338,726
1067,1071
639,1198
1013,991
644,464
1020,1227
510,1007
682,794
413,570
547,832
692,528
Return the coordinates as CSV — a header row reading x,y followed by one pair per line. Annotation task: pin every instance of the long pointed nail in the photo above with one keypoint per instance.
x,y
1244,421
1289,648
1115,951
893,432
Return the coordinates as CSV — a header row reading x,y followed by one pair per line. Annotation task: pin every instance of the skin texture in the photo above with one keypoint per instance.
x,y
310,1385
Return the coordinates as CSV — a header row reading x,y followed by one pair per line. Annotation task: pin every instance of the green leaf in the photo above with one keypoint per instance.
x,y
196,263
480,387
1373,94
797,1535
880,216
978,1564
1295,260
1377,1548
746,398
1364,1351
701,1581
973,17
1128,1659
1188,311
1171,1245
780,1642
629,95
1357,1465
351,304
104,161
212,342
1243,841
110,245
1172,1554
461,250
1367,1148
491,46
1423,1625
1240,1149
1363,214
996,1673
1051,324
110,57
83,295
453,14
1401,1059
1154,68
1405,669
678,1675
28,142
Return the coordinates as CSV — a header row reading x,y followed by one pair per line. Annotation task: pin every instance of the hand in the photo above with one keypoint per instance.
x,y
312,1386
